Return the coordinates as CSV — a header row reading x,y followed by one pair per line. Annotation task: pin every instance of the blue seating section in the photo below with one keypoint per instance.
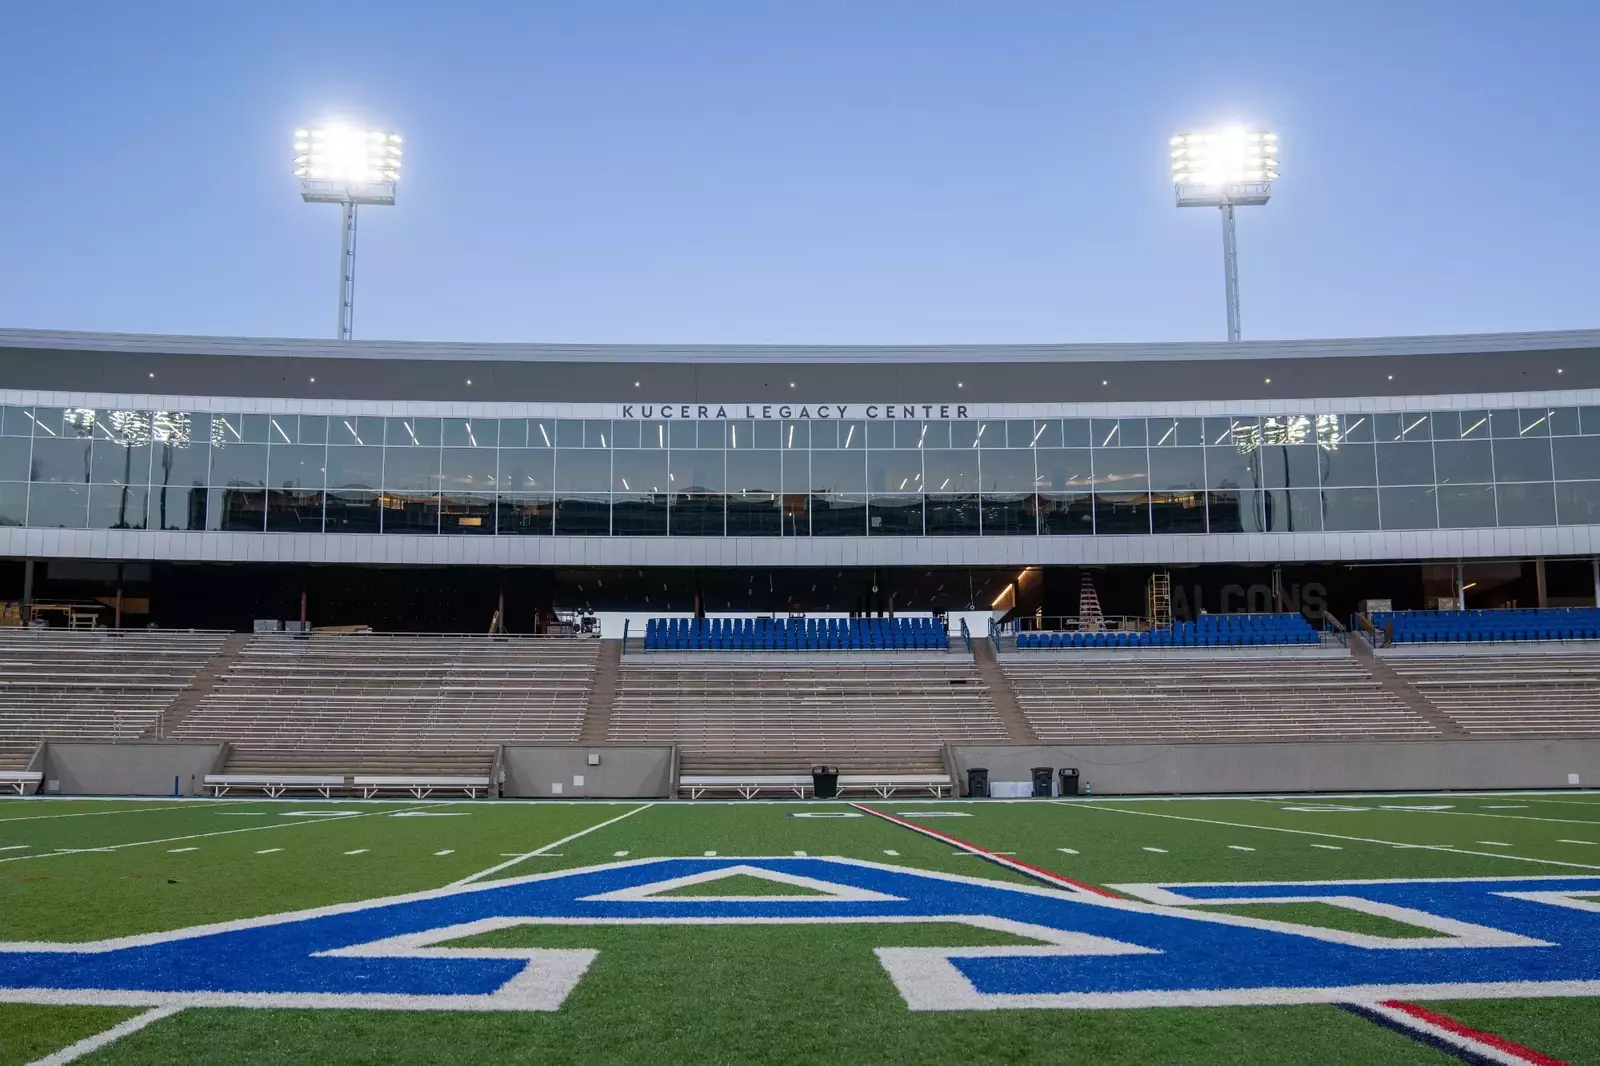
x,y
793,634
1211,631
1454,627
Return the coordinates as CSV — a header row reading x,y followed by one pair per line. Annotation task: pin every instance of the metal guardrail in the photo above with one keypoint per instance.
x,y
966,635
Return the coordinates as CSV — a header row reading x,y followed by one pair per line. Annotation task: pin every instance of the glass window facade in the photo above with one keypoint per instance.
x,y
84,468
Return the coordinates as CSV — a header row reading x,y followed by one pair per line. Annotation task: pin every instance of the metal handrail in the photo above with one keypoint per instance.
x,y
966,635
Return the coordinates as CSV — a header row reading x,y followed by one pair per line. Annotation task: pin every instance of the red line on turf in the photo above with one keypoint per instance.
x,y
1037,872
1499,1043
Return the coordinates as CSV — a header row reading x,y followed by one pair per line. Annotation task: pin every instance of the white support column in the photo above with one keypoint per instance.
x,y
1230,270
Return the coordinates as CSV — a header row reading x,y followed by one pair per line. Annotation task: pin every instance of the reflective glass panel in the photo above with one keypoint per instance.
x,y
1576,458
61,459
1578,503
528,469
1522,459
1293,511
1119,513
1463,461
296,466
239,465
642,472
1066,514
469,514
1350,464
410,470
948,470
468,470
1178,512
1178,468
581,471
1526,505
1405,464
1408,507
1466,506
14,458
1009,471
118,507
294,511
355,468
1350,509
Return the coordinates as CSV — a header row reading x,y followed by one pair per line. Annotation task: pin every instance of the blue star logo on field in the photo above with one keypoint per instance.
x,y
1488,938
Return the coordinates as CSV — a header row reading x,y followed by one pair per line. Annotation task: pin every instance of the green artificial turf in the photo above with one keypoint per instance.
x,y
84,870
1323,916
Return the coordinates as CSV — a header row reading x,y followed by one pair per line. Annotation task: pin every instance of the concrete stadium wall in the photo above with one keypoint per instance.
x,y
624,772
1375,766
133,769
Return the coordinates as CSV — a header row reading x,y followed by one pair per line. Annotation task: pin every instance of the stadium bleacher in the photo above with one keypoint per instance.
x,y
393,702
793,634
1507,691
759,716
1208,694
1456,627
96,684
1209,631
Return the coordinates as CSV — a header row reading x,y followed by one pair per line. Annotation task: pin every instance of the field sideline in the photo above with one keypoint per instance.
x,y
747,987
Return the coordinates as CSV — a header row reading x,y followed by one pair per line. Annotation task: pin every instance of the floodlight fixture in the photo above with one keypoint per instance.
x,y
1226,168
347,165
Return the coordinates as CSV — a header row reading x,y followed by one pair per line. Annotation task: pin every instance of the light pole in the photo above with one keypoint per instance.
x,y
345,165
1225,169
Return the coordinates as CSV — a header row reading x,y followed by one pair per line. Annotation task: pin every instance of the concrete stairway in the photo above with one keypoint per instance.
x,y
1393,683
199,688
1001,694
602,693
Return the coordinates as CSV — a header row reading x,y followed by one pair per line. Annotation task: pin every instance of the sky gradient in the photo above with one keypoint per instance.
x,y
833,171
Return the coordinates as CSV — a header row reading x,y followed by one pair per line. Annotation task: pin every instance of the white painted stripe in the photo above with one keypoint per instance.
x,y
446,851
710,854
1574,842
358,851
1483,1051
268,851
14,847
619,854
1239,847
1067,851
470,878
891,851
1505,806
95,814
1495,843
1081,806
175,851
1158,851
799,854
1328,847
190,836
90,1044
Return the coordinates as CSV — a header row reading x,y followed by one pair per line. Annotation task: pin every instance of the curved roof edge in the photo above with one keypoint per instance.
x,y
311,348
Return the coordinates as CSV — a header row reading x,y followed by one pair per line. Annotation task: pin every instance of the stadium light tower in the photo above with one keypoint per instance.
x,y
1225,169
350,166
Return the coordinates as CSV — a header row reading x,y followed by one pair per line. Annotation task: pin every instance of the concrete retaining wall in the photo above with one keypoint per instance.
x,y
1375,766
565,771
131,769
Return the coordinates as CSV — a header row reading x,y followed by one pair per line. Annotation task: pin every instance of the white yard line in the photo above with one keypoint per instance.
x,y
481,874
1332,836
97,814
191,836
90,1044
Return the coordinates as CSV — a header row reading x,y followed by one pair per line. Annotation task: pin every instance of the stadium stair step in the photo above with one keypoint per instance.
x,y
1002,696
198,688
1401,689
602,693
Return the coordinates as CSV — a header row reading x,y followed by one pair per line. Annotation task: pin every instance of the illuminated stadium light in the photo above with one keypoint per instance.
x,y
347,165
1226,168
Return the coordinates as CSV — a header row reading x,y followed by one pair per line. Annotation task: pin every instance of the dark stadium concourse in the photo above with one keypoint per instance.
x,y
459,599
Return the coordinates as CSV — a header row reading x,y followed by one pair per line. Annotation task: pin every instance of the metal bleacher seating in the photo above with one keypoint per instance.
x,y
1209,631
91,684
1207,694
793,634
393,703
1492,626
757,714
1507,689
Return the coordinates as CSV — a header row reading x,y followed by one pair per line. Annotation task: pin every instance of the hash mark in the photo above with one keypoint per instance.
x,y
799,854
1574,842
710,854
619,854
1240,847
446,851
1506,807
1068,851
268,851
13,847
1495,843
891,851
1328,847
358,851
174,851
1158,851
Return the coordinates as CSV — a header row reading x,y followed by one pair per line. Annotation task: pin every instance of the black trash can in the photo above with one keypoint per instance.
x,y
825,782
1069,780
1042,782
977,782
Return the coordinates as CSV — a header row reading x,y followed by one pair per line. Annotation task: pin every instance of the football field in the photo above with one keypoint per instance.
x,y
1336,929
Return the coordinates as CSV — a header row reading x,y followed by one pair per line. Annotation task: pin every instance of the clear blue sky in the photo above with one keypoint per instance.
x,y
809,172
